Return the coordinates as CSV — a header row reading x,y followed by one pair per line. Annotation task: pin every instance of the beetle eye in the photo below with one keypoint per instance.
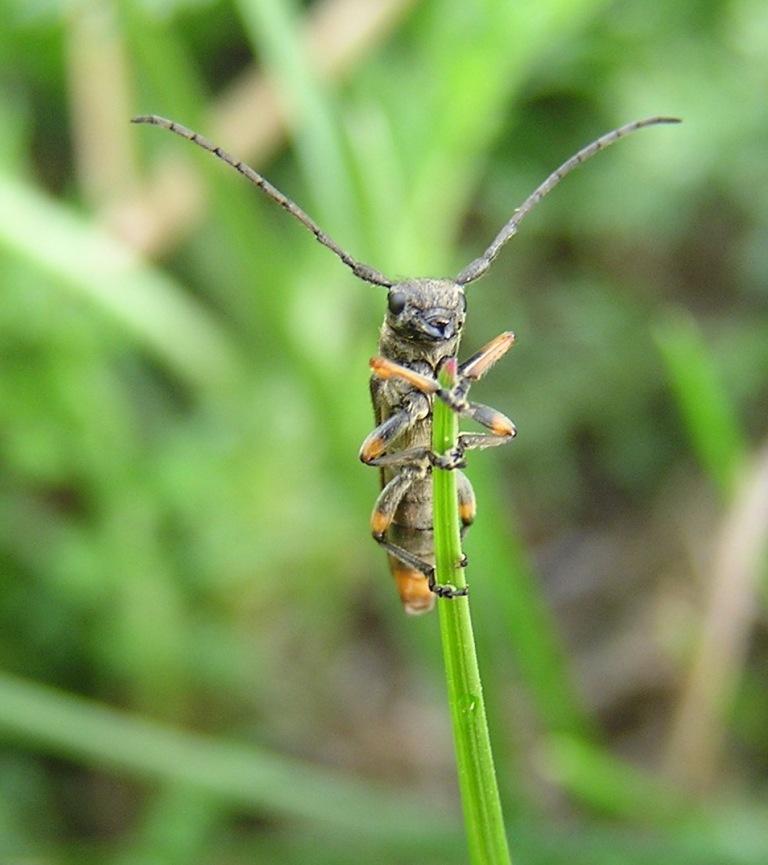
x,y
396,302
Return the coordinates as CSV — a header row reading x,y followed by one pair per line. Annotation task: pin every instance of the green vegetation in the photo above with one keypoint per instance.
x,y
203,658
474,759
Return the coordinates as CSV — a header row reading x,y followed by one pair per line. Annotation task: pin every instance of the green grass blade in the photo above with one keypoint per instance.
x,y
95,266
470,61
477,777
524,623
611,786
247,776
272,27
706,408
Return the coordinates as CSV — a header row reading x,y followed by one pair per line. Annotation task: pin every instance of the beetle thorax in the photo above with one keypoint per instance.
x,y
424,320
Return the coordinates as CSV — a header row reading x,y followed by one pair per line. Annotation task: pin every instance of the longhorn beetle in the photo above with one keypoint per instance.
x,y
421,330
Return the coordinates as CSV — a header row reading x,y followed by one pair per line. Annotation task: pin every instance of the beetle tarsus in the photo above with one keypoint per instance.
x,y
448,591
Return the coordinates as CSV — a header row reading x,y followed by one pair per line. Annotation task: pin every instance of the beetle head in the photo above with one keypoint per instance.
x,y
426,310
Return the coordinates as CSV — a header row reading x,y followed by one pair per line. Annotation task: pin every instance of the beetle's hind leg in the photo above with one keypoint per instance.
x,y
467,503
467,508
381,519
384,512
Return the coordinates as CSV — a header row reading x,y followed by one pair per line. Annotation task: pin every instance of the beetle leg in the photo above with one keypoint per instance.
x,y
467,504
413,409
467,507
478,365
479,441
381,519
473,369
384,368
501,429
408,457
469,372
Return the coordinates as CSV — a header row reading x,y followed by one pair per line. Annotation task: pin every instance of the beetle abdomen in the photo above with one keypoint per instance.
x,y
413,588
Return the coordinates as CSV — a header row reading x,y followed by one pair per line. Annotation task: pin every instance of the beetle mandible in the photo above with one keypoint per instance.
x,y
421,331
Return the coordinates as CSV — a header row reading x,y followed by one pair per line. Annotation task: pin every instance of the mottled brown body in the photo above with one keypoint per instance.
x,y
420,332
411,527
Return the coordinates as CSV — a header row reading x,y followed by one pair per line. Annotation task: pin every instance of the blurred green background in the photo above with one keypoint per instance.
x,y
203,658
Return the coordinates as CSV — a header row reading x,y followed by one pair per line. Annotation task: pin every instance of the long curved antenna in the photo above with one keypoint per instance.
x,y
363,271
479,266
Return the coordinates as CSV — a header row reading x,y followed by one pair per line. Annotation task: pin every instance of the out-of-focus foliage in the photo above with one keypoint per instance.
x,y
183,389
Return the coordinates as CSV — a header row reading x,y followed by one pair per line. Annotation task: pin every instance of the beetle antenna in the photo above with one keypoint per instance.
x,y
363,271
475,269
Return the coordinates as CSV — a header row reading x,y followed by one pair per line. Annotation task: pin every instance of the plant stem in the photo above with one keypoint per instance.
x,y
477,779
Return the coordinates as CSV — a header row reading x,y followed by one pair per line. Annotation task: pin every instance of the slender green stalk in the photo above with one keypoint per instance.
x,y
477,779
706,406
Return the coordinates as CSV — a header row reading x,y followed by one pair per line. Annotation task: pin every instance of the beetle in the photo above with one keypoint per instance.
x,y
421,331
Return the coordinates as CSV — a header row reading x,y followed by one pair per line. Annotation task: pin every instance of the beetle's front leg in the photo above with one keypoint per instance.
x,y
501,427
469,372
477,366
